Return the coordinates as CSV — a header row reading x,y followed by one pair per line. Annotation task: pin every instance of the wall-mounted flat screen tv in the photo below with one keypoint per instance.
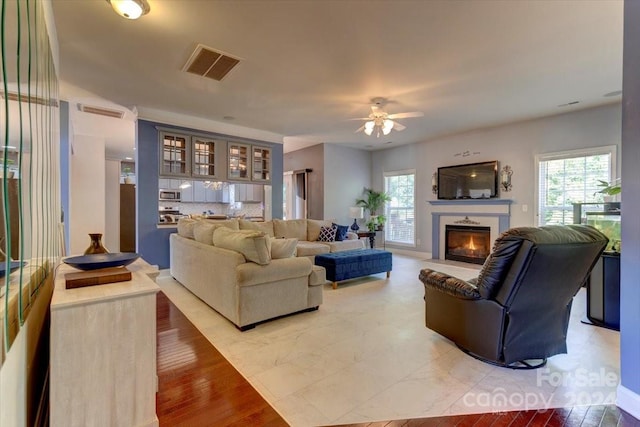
x,y
470,181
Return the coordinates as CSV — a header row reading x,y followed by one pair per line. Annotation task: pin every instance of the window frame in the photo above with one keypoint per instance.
x,y
387,206
612,150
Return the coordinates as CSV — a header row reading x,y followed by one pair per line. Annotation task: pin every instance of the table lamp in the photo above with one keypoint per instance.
x,y
356,213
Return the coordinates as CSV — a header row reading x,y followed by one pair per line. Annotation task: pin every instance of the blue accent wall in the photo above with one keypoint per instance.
x,y
65,157
153,242
630,253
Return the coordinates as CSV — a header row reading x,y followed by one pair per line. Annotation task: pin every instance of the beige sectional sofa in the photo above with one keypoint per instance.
x,y
249,271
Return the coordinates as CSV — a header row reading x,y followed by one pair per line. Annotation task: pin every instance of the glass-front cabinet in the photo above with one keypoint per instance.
x,y
261,163
175,150
238,156
204,158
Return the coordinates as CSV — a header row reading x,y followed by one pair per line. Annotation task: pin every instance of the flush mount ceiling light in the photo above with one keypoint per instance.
x,y
130,9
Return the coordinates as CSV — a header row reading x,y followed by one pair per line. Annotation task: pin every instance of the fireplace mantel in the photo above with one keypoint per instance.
x,y
495,212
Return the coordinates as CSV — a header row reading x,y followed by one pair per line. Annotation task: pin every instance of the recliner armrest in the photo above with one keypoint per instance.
x,y
448,284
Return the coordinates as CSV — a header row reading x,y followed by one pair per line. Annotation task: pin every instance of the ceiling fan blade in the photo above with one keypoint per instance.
x,y
397,126
360,129
360,118
406,115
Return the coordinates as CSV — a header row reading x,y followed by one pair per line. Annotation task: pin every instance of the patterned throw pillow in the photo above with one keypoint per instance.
x,y
327,234
342,232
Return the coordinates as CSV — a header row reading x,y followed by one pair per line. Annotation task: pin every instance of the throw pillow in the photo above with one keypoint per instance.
x,y
255,246
185,227
342,232
203,232
313,228
283,248
266,226
290,228
327,234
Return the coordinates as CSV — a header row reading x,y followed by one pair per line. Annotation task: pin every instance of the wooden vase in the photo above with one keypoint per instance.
x,y
96,245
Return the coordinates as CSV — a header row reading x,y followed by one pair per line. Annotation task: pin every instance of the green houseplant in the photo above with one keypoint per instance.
x,y
610,188
373,201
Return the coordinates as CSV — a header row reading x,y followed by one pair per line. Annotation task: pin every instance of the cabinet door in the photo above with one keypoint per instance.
x,y
175,154
187,193
198,191
163,184
238,161
204,157
260,163
258,192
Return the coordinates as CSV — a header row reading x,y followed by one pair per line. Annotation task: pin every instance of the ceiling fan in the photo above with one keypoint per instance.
x,y
380,121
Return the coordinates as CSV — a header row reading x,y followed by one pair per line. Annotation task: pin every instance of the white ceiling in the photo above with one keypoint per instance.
x,y
309,66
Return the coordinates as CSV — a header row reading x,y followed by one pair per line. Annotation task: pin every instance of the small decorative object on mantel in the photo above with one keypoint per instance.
x,y
96,245
505,178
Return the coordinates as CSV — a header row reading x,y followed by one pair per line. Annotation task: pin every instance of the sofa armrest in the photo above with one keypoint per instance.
x,y
448,284
352,236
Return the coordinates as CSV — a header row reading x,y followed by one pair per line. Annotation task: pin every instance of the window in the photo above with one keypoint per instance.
x,y
571,177
400,212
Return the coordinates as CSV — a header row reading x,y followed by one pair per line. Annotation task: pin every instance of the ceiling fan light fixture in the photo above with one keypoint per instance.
x,y
387,125
368,127
130,9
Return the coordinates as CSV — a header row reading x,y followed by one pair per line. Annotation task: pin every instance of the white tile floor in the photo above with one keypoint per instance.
x,y
366,355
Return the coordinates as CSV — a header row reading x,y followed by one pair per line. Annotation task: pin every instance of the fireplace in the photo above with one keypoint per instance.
x,y
467,243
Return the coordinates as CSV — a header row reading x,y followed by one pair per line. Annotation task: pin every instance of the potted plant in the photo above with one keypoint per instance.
x,y
373,201
126,172
611,191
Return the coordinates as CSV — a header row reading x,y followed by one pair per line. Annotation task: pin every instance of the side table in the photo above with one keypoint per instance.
x,y
371,235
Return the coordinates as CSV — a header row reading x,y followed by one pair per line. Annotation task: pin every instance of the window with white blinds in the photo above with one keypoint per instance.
x,y
400,212
571,177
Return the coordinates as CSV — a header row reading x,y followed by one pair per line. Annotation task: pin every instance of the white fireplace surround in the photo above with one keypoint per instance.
x,y
492,213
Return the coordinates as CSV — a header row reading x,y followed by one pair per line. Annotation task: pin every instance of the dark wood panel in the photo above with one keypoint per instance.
x,y
127,218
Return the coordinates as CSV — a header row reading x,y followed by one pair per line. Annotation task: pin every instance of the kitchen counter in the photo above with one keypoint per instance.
x,y
167,225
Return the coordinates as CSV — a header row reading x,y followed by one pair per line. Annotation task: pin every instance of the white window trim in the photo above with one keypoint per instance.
x,y
415,210
582,152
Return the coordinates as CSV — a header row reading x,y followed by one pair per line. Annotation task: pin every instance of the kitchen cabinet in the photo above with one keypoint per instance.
x,y
260,163
186,194
203,194
238,161
205,157
175,154
249,193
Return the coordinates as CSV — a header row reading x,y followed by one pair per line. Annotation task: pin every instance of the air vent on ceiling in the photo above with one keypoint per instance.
x,y
207,62
101,111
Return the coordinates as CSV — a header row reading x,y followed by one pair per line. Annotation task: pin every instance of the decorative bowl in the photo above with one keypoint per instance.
x,y
95,261
13,266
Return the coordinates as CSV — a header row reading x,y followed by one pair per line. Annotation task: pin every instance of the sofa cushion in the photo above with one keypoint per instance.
x,y
185,227
254,245
249,274
346,245
290,228
342,232
311,248
204,228
283,248
327,234
313,229
266,226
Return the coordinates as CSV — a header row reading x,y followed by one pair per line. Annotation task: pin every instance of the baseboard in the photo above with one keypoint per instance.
x,y
628,401
414,254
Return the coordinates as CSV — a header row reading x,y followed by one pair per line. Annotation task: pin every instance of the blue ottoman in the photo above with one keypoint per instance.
x,y
357,263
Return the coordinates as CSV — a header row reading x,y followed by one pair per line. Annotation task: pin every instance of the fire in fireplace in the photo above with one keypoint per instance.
x,y
467,243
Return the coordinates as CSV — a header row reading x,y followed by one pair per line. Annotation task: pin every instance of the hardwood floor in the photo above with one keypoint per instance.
x,y
198,387
196,384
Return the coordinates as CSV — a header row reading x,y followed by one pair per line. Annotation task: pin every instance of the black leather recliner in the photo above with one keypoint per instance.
x,y
517,310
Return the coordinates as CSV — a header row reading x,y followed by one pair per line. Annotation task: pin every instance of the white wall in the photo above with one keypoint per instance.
x,y
347,172
515,145
111,239
87,192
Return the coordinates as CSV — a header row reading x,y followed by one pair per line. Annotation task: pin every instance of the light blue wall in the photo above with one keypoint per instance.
x,y
630,254
153,243
515,145
347,172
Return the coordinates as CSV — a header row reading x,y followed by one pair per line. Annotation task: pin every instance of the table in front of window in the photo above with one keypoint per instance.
x,y
371,235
